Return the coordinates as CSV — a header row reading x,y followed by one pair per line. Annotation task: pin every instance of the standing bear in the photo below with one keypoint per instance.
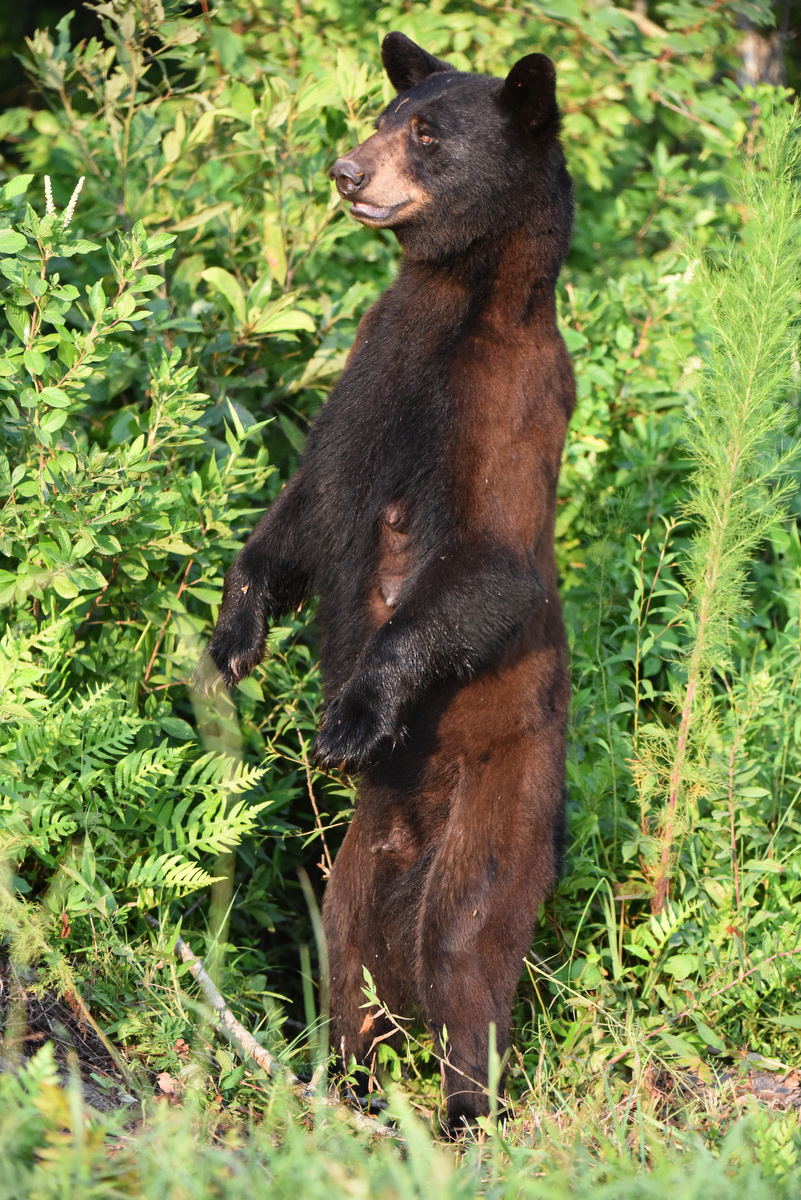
x,y
422,515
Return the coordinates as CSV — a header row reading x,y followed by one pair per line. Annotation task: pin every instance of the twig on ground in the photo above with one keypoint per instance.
x,y
247,1047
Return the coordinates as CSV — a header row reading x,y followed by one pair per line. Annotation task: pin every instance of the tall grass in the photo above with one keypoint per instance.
x,y
748,307
54,1148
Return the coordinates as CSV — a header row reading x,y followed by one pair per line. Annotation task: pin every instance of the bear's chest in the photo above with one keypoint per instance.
x,y
385,439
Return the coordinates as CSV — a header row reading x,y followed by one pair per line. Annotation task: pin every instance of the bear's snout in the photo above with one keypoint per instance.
x,y
347,176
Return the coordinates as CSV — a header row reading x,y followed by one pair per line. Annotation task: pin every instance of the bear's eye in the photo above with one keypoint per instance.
x,y
420,132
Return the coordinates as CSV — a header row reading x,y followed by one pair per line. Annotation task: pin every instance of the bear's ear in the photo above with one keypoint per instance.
x,y
406,63
529,91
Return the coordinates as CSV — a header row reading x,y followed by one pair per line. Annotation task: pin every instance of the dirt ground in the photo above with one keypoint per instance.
x,y
28,1020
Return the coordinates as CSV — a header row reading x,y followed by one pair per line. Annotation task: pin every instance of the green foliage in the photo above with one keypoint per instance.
x,y
168,328
749,306
53,1147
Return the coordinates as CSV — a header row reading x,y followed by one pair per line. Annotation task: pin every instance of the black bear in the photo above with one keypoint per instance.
x,y
422,515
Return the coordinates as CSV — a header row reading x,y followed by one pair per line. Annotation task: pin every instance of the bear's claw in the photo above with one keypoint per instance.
x,y
237,645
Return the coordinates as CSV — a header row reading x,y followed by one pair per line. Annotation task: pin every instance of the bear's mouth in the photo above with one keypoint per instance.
x,y
375,214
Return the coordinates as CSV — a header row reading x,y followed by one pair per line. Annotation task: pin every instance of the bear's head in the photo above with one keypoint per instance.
x,y
457,158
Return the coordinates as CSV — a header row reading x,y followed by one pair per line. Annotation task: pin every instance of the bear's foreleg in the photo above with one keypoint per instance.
x,y
451,620
267,579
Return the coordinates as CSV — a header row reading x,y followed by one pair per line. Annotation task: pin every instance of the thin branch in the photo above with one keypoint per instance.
x,y
247,1047
166,622
326,866
76,1001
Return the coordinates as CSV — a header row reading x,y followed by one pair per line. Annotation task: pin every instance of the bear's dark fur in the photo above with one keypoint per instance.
x,y
422,515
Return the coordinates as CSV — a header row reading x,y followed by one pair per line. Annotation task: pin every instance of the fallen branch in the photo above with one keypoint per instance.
x,y
247,1047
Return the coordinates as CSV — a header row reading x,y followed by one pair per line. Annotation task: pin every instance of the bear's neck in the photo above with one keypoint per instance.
x,y
510,278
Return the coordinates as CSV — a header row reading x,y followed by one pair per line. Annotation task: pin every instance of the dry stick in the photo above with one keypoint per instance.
x,y
247,1047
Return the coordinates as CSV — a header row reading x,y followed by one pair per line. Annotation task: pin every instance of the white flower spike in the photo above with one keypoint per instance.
x,y
70,209
50,210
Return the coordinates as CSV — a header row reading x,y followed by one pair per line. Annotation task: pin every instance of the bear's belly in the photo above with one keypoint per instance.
x,y
395,561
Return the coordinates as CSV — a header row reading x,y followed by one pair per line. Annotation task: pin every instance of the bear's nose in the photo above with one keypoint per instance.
x,y
347,177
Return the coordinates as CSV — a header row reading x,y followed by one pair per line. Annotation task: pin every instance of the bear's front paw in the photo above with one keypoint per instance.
x,y
235,662
357,725
237,644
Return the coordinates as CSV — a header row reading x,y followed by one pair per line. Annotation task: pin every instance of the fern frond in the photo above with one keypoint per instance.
x,y
169,871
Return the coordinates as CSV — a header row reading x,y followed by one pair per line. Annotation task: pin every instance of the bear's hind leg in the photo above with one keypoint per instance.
x,y
494,866
367,924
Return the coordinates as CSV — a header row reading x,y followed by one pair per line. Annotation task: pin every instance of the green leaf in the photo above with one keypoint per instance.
x,y
81,246
147,283
65,586
34,361
136,570
204,215
11,241
176,545
16,186
55,397
97,299
250,688
274,249
225,283
207,595
284,321
680,965
53,421
125,305
19,319
786,1022
234,1079
171,146
709,1035
294,436
679,1046
177,728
